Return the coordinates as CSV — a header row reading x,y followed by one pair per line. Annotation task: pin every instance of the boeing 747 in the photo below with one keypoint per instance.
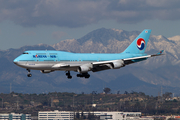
x,y
50,60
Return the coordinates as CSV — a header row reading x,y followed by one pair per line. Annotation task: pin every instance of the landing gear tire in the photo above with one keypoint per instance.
x,y
68,75
29,75
85,75
79,75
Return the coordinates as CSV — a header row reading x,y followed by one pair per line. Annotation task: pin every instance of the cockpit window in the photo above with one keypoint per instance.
x,y
25,53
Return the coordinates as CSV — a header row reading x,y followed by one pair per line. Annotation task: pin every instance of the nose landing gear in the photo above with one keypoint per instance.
x,y
29,73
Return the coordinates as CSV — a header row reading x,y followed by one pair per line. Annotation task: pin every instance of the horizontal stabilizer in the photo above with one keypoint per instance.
x,y
159,53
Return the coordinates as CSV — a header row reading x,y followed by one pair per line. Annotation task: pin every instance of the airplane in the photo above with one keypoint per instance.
x,y
51,60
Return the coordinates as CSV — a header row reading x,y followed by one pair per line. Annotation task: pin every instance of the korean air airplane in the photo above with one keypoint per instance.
x,y
48,60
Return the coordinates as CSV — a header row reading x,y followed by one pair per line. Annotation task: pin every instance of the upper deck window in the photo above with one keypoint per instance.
x,y
25,53
52,53
40,53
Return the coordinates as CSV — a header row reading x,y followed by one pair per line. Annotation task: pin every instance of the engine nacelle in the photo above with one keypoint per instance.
x,y
118,64
85,68
46,71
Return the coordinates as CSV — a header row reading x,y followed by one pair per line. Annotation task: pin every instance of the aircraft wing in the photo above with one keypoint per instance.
x,y
105,65
115,64
99,66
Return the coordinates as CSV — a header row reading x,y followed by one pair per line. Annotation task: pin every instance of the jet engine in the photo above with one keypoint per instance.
x,y
85,68
46,71
118,64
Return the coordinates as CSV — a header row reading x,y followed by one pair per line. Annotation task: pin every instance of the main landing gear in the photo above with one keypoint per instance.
x,y
68,75
86,75
29,73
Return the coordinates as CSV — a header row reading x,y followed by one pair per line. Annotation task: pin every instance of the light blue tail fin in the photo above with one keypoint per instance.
x,y
138,46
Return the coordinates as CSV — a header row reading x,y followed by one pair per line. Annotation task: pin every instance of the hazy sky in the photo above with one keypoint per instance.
x,y
30,22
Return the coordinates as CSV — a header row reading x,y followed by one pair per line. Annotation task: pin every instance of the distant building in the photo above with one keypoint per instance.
x,y
171,99
55,115
14,116
114,115
102,115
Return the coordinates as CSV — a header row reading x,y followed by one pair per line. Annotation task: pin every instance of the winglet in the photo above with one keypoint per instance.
x,y
159,53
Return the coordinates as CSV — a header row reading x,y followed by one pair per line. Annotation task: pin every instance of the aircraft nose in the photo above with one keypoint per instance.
x,y
15,61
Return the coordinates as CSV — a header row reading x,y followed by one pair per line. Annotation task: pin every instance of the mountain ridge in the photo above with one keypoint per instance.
x,y
155,72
